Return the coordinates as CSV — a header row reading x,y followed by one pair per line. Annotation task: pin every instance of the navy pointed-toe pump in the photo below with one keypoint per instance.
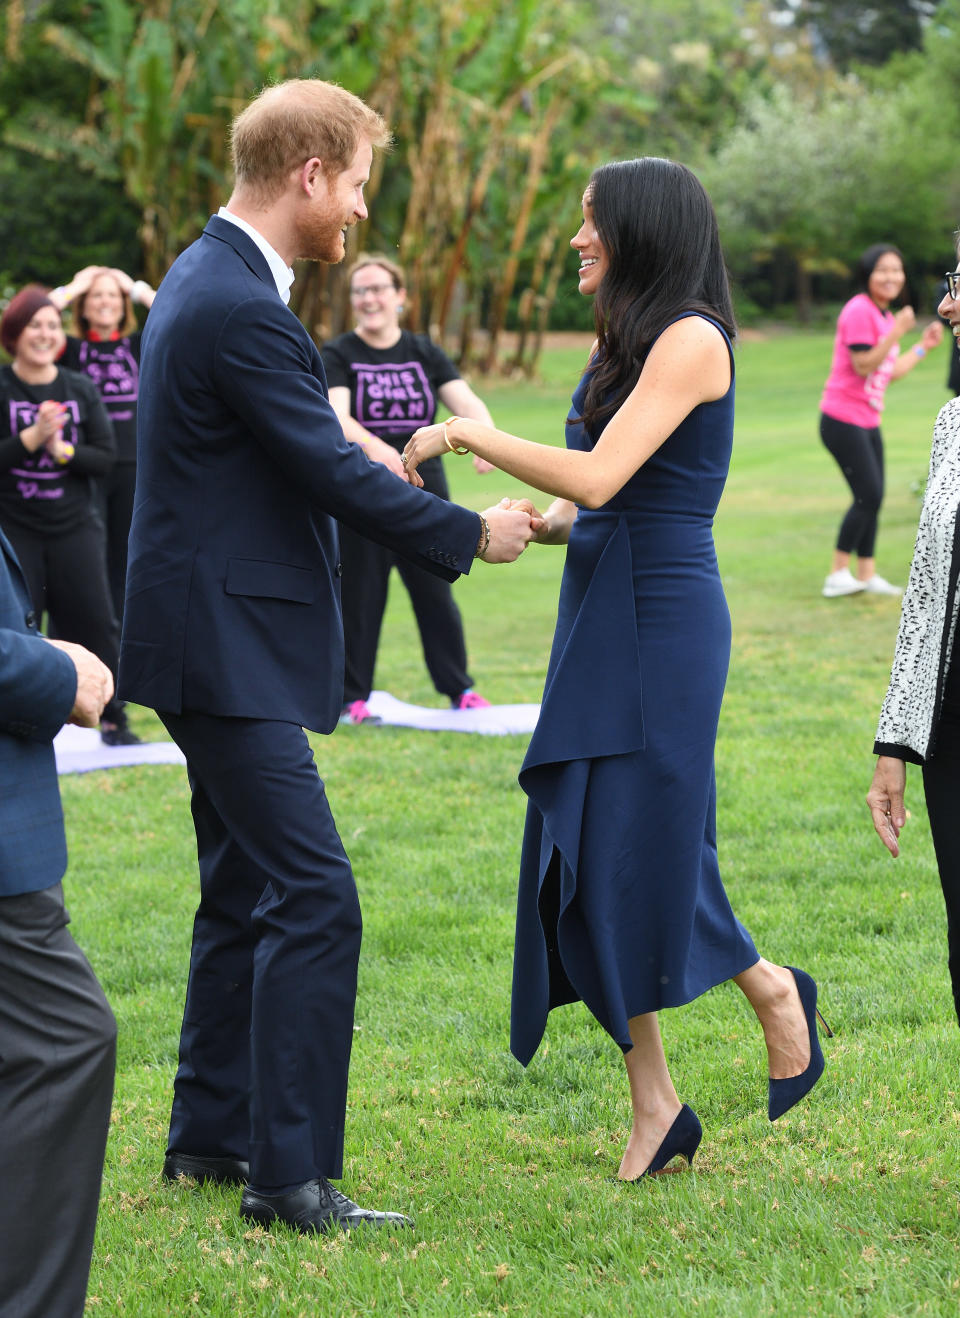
x,y
783,1094
682,1139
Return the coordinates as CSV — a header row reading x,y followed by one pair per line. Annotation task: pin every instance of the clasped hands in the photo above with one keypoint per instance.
x,y
513,524
46,432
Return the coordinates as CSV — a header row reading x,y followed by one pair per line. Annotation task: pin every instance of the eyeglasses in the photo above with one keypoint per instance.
x,y
953,282
377,290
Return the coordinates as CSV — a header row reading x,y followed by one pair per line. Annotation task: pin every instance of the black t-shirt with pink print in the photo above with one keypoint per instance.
x,y
36,492
393,391
114,367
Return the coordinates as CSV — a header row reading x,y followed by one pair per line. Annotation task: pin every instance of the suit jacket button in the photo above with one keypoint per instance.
x,y
339,569
31,619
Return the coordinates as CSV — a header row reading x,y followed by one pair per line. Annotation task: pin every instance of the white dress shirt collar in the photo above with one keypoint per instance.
x,y
282,274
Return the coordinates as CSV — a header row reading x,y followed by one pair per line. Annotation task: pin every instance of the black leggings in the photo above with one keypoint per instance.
x,y
116,505
859,455
941,786
366,572
67,577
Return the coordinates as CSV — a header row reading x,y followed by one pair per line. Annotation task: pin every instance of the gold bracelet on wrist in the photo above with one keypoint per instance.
x,y
483,544
446,438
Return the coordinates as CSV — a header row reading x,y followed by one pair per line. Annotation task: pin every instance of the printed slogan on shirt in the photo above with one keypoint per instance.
x,y
391,397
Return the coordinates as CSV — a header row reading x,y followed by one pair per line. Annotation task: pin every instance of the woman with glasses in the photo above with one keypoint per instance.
x,y
866,357
384,383
920,718
621,904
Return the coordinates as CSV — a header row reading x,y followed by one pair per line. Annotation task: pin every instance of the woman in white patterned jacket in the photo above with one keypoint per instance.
x,y
920,718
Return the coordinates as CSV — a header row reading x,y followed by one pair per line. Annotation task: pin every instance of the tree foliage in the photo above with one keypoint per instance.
x,y
500,109
806,181
855,33
484,98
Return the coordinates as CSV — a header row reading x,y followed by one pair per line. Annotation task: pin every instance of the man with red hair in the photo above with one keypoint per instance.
x,y
233,633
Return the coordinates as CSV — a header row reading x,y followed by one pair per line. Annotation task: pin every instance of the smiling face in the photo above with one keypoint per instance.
x,y
376,300
594,259
336,204
103,307
39,341
886,279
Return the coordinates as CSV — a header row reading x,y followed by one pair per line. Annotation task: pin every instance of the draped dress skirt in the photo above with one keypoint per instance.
x,y
620,903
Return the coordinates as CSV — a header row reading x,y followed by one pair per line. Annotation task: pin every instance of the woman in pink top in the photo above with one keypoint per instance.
x,y
866,357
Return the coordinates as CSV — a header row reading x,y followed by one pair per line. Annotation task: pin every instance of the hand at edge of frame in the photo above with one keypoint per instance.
x,y
885,800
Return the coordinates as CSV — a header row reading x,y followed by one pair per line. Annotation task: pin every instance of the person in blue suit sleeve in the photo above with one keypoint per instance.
x,y
233,633
57,1032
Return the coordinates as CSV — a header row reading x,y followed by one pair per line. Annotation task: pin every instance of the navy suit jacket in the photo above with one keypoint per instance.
x,y
38,685
233,593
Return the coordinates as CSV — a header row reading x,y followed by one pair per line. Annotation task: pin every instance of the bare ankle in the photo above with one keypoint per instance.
x,y
766,986
654,1110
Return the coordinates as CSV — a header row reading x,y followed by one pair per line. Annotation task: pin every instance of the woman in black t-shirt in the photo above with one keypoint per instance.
x,y
55,436
105,346
384,384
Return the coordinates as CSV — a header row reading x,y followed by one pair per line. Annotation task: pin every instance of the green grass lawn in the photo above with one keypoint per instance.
x,y
848,1206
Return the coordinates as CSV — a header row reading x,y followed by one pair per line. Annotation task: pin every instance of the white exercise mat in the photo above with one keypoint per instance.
x,y
79,750
494,721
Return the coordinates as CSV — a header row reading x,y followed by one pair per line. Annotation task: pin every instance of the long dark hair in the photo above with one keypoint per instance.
x,y
658,228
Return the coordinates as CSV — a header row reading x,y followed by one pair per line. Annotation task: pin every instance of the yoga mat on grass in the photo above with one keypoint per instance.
x,y
80,750
495,721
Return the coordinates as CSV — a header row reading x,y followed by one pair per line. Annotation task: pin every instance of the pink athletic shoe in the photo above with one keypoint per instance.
x,y
470,700
358,711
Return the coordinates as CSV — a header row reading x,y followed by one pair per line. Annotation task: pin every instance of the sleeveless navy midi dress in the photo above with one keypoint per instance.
x,y
620,903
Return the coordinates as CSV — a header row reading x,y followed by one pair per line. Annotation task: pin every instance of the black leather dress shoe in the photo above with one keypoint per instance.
x,y
316,1206
224,1171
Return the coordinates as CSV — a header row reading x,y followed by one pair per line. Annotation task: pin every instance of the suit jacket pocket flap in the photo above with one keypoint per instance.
x,y
282,581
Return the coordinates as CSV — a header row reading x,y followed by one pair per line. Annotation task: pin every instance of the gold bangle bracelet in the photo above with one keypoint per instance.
x,y
446,438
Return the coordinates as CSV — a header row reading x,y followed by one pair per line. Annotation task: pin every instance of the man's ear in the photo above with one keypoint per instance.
x,y
311,172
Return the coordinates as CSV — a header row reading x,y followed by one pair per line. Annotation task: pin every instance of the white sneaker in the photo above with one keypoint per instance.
x,y
877,585
843,582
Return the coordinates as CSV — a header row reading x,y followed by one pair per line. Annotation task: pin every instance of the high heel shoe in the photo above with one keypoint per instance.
x,y
783,1094
683,1138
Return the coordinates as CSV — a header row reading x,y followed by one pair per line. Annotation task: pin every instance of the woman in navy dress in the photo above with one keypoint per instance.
x,y
621,904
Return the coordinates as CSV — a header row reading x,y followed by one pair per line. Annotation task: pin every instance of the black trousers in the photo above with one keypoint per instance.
x,y
363,587
859,455
67,577
268,1020
57,1059
941,786
116,506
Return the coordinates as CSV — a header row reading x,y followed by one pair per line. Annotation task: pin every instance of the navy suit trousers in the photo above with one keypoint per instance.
x,y
57,1053
268,1021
